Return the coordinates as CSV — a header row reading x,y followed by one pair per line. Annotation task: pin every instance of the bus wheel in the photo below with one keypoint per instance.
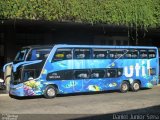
x,y
135,86
124,87
50,92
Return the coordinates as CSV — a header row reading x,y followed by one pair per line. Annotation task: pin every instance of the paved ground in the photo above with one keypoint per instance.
x,y
104,104
3,91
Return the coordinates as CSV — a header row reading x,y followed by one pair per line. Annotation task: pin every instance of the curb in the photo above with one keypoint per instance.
x,y
1,95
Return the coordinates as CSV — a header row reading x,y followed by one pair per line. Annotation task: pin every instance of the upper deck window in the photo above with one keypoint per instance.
x,y
63,54
38,54
116,54
128,55
131,54
82,53
99,53
143,54
152,53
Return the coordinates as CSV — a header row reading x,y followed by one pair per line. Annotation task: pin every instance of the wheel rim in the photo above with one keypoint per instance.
x,y
136,86
124,87
51,92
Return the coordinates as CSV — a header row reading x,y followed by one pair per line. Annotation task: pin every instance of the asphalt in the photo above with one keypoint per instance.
x,y
3,93
92,106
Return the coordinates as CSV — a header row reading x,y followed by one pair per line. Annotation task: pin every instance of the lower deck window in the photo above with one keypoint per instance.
x,y
81,74
98,74
111,73
85,74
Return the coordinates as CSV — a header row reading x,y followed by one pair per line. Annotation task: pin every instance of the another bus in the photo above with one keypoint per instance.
x,y
84,68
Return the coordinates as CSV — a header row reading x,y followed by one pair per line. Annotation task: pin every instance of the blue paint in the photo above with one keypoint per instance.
x,y
133,69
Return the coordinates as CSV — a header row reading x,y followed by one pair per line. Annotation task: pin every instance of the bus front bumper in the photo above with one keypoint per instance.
x,y
16,90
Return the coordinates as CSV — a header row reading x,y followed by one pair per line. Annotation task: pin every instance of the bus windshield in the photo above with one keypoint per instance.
x,y
38,54
21,55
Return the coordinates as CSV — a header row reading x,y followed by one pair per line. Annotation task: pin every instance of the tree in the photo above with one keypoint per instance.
x,y
132,13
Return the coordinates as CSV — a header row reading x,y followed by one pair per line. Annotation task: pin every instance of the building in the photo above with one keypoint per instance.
x,y
77,22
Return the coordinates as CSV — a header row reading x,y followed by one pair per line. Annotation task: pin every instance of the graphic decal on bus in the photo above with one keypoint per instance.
x,y
73,68
130,70
32,88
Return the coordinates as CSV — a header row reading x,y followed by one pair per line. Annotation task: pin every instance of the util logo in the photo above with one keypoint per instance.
x,y
139,70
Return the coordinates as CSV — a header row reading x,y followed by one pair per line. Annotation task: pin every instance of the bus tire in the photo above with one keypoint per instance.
x,y
135,86
11,96
50,92
124,87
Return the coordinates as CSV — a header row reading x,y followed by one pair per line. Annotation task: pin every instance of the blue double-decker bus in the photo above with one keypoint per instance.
x,y
62,69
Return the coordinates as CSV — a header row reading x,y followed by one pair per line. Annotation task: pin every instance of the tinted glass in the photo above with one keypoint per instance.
x,y
81,74
21,55
143,54
134,54
82,53
63,54
111,73
60,75
99,53
116,54
152,53
38,54
97,73
131,54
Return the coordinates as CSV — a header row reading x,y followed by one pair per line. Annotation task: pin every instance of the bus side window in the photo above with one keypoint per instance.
x,y
128,55
134,54
143,54
82,53
111,73
116,54
119,54
62,54
111,54
81,74
152,53
99,53
99,73
60,75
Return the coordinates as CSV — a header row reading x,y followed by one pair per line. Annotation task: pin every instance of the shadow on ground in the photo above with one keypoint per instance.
x,y
71,94
149,113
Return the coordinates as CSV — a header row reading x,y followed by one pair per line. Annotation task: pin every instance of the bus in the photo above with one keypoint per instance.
x,y
64,69
159,63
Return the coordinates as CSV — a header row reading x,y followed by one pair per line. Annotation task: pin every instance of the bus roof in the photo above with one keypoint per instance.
x,y
88,46
105,46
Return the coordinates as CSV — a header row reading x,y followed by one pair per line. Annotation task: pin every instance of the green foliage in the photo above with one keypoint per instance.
x,y
132,13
